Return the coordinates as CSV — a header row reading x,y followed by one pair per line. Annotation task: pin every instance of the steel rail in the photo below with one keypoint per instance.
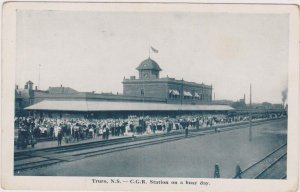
x,y
261,160
47,162
83,146
270,166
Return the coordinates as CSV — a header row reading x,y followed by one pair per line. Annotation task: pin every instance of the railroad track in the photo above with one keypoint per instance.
x,y
263,174
82,146
76,154
259,169
49,156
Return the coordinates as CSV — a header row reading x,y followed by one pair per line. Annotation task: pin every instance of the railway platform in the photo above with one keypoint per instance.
x,y
54,143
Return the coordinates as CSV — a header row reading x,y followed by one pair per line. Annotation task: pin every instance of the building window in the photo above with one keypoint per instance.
x,y
174,94
170,94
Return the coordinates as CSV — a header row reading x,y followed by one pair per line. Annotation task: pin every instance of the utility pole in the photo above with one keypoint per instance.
x,y
250,124
211,93
182,94
39,76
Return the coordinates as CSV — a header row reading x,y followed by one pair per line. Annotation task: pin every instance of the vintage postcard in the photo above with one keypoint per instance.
x,y
150,96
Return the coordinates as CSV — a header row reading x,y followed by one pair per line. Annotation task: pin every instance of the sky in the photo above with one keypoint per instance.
x,y
93,51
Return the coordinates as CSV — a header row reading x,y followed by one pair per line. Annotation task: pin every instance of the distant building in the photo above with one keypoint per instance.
x,y
240,104
149,84
267,106
24,96
223,102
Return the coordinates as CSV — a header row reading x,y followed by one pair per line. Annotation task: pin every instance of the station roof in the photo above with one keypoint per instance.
x,y
56,90
86,105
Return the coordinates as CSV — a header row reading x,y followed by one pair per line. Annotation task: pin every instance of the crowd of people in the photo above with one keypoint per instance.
x,y
30,129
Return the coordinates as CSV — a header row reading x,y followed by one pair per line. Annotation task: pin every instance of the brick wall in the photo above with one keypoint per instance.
x,y
146,89
159,88
203,91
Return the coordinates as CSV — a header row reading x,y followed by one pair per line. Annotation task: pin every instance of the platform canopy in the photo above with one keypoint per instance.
x,y
197,95
187,94
86,106
174,92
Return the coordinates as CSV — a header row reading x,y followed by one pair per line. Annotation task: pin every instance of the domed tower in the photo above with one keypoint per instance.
x,y
148,69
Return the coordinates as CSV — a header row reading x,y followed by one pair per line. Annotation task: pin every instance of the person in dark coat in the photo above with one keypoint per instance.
x,y
59,138
107,133
76,135
104,132
32,141
238,171
186,132
217,171
197,124
154,128
51,131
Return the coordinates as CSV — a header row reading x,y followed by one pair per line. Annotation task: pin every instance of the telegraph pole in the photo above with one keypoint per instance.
x,y
39,76
182,95
250,124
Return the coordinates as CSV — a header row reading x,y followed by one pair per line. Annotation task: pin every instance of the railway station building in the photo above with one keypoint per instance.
x,y
148,93
149,84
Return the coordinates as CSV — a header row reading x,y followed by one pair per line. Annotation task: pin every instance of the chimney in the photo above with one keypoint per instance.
x,y
17,87
132,77
61,85
36,88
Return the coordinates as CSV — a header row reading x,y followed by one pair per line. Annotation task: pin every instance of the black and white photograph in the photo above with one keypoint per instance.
x,y
170,96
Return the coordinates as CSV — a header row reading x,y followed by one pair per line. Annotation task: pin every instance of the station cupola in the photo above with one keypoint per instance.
x,y
148,69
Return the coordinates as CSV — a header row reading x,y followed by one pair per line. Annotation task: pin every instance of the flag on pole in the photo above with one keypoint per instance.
x,y
154,50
